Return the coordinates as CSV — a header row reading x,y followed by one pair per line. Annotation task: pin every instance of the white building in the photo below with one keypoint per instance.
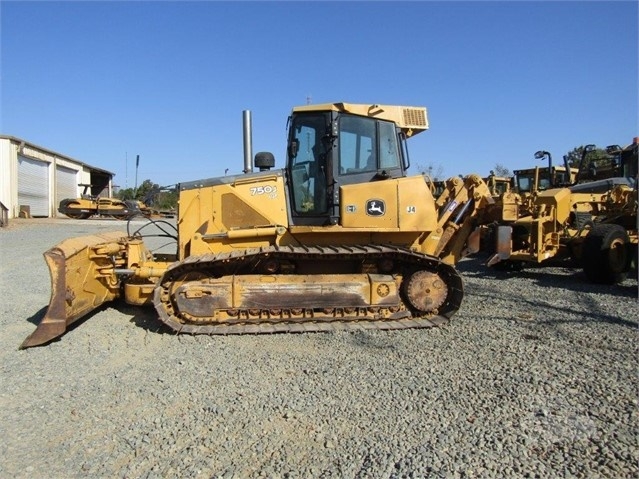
x,y
34,179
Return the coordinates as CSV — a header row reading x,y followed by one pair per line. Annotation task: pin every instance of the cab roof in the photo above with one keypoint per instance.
x,y
410,119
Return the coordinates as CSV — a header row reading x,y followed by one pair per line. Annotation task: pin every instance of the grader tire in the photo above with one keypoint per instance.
x,y
606,256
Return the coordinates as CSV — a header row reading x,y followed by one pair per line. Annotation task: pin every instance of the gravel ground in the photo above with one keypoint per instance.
x,y
536,376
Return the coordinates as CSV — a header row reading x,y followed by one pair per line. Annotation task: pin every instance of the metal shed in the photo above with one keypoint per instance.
x,y
33,179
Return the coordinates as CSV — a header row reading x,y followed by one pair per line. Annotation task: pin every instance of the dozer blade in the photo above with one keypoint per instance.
x,y
82,278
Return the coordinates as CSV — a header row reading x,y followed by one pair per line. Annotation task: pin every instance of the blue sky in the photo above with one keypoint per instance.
x,y
103,81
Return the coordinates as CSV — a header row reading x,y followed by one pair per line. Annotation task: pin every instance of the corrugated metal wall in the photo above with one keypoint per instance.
x,y
66,182
33,185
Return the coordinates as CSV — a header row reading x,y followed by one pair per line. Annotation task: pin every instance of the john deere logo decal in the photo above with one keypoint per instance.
x,y
375,207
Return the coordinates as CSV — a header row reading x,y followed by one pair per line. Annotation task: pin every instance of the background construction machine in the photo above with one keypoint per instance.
x,y
155,204
90,205
515,196
529,182
498,185
339,239
594,222
542,178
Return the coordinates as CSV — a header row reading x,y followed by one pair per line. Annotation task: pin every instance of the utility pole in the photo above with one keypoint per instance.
x,y
137,163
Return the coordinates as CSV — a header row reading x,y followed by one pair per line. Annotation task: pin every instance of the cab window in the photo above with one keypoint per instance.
x,y
367,145
307,156
357,152
523,184
388,154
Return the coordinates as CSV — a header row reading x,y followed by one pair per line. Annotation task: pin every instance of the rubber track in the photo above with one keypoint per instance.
x,y
238,262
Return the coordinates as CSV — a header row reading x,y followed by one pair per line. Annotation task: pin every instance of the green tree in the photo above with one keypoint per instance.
x,y
596,156
126,194
165,199
152,194
147,188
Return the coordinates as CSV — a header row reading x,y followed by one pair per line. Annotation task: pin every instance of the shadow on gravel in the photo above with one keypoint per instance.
x,y
365,340
37,317
553,315
565,275
144,317
579,301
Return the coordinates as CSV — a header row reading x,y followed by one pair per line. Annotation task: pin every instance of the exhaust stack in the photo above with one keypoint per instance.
x,y
248,141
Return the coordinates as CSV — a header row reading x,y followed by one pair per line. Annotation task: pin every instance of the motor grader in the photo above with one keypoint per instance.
x,y
341,238
593,222
521,201
530,181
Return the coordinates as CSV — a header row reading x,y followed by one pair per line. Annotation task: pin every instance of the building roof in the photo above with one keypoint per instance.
x,y
54,153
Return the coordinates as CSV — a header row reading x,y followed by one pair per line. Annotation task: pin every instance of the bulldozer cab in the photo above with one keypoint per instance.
x,y
333,145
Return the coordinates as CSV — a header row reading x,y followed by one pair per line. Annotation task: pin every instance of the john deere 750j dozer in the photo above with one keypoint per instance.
x,y
339,239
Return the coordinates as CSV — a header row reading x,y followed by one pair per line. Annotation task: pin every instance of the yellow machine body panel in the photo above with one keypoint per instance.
x,y
405,203
559,199
239,214
247,206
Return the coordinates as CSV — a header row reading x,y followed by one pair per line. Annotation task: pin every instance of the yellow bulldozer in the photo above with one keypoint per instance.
x,y
341,238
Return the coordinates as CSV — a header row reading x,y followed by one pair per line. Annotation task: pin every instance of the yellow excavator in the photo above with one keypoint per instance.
x,y
341,238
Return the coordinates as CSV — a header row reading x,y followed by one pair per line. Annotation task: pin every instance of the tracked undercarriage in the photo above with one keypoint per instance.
x,y
295,289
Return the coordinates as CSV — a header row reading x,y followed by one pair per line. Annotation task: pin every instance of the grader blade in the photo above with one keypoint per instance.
x,y
82,278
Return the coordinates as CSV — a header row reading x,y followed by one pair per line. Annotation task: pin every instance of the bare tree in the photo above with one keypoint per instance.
x,y
500,170
434,171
